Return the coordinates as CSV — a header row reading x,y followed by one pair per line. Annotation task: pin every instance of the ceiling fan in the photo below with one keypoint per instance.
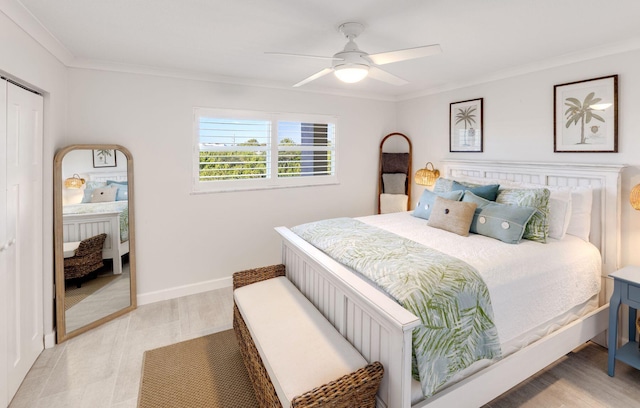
x,y
352,64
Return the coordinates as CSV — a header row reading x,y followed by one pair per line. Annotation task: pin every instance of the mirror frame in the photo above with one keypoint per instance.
x,y
61,331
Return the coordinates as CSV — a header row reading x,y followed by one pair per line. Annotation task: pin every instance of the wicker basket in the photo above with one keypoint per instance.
x,y
354,390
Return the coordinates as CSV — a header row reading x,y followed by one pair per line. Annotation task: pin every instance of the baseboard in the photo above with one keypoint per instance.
x,y
186,290
50,340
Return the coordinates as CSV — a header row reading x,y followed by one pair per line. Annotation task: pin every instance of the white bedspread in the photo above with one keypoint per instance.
x,y
530,283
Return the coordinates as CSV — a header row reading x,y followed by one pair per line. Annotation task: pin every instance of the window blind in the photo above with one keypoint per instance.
x,y
244,150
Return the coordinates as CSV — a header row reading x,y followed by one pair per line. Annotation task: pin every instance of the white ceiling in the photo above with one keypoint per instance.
x,y
226,40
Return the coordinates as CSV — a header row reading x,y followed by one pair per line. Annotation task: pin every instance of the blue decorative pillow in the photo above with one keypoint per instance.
x,y
444,185
91,185
427,199
109,182
489,192
500,221
123,190
86,198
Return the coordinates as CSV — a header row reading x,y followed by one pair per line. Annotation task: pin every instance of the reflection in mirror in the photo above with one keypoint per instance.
x,y
94,245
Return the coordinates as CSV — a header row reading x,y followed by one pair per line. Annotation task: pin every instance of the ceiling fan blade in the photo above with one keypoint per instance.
x,y
314,77
286,54
384,76
406,54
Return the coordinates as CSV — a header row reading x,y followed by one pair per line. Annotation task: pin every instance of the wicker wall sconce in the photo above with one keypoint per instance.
x,y
634,198
74,182
426,176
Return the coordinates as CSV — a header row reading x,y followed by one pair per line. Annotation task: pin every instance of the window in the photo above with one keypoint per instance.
x,y
238,150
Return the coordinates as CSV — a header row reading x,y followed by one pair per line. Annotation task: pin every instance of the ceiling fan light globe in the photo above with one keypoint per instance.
x,y
351,73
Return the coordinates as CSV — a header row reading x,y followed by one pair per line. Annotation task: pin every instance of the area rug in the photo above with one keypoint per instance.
x,y
74,295
203,372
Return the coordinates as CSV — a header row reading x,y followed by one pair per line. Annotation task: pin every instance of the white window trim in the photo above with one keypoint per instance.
x,y
274,182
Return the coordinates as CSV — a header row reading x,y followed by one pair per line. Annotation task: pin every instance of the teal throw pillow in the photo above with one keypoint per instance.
x,y
428,198
123,192
444,185
504,222
489,192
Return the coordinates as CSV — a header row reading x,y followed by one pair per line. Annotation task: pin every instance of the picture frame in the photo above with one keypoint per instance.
x,y
104,158
585,118
466,126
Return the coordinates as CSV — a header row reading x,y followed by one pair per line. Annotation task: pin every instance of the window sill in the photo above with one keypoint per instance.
x,y
253,187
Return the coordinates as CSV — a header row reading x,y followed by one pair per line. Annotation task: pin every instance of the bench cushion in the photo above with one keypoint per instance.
x,y
300,349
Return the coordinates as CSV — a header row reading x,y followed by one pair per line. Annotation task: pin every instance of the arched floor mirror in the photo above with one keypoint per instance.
x,y
94,236
394,181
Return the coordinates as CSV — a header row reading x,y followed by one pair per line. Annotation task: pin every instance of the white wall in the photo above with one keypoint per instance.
x,y
518,125
24,60
80,162
184,239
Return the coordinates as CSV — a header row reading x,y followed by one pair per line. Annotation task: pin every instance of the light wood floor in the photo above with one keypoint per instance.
x,y
577,380
101,368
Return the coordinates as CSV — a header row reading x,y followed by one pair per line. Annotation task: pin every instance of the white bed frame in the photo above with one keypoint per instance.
x,y
76,227
381,329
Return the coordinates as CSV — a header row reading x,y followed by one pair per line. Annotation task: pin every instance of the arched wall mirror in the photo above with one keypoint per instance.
x,y
394,178
94,234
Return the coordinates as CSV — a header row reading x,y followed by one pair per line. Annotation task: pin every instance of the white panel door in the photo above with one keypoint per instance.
x,y
4,304
25,338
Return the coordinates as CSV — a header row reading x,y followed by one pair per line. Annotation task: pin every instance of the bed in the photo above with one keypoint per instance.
x,y
381,329
81,221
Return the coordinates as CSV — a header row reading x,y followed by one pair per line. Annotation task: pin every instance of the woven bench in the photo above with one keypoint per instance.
x,y
294,356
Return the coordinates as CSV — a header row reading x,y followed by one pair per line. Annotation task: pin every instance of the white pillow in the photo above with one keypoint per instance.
x,y
390,203
581,203
559,213
105,194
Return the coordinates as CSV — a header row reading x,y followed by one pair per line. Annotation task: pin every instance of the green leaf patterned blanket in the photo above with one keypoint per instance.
x,y
447,294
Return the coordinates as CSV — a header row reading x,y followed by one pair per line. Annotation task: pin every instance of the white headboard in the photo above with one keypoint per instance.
x,y
603,179
104,176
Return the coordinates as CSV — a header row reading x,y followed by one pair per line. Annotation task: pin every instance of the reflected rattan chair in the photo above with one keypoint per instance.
x,y
87,259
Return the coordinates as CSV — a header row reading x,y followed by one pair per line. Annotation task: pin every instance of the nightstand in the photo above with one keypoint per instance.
x,y
626,289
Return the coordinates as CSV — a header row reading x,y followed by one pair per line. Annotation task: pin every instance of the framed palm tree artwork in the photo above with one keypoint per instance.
x,y
586,116
465,126
104,158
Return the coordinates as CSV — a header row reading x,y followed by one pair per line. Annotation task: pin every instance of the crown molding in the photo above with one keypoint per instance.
x,y
23,18
628,45
99,65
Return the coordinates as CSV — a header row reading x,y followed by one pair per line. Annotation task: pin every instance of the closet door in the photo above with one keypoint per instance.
x,y
24,231
4,303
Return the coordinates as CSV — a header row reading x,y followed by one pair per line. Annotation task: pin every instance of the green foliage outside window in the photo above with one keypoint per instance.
x,y
216,165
